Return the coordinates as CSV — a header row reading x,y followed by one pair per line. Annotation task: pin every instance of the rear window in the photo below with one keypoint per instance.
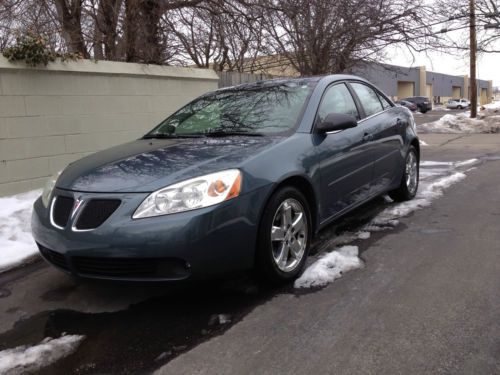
x,y
369,98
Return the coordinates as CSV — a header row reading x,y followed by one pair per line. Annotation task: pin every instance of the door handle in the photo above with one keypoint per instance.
x,y
367,137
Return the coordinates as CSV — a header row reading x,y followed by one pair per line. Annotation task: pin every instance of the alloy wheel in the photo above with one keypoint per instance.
x,y
289,235
411,173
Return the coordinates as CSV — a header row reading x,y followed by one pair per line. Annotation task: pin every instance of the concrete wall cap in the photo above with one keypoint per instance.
x,y
116,68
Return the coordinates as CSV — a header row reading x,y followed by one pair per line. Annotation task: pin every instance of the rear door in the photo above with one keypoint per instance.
x,y
385,131
345,156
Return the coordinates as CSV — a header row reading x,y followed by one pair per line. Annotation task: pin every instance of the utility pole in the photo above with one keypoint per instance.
x,y
473,52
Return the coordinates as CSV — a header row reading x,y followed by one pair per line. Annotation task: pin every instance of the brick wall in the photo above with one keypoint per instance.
x,y
53,115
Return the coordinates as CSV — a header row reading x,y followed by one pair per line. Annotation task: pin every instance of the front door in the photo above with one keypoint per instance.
x,y
346,165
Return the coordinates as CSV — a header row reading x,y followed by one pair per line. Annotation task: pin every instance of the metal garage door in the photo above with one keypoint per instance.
x,y
428,91
484,96
405,89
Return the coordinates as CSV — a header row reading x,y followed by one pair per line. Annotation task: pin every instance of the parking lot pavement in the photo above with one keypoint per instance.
x,y
434,115
426,301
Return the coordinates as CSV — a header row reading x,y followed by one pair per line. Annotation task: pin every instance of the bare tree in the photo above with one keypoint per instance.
x,y
106,15
487,25
311,36
241,37
18,17
70,17
197,32
321,36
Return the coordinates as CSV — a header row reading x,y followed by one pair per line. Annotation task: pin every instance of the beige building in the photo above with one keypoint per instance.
x,y
396,81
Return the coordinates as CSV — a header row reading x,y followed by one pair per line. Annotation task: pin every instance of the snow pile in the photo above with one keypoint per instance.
x,y
462,123
492,105
435,177
330,267
487,121
24,358
424,198
16,243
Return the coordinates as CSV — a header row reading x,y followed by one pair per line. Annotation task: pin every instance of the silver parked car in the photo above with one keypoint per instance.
x,y
458,103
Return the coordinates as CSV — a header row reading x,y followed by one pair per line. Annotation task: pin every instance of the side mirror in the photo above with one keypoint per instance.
x,y
336,121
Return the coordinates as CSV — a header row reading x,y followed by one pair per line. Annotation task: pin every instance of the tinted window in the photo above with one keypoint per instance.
x,y
369,98
337,99
274,108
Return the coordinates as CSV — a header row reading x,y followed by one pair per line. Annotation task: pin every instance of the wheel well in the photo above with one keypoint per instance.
x,y
307,190
415,143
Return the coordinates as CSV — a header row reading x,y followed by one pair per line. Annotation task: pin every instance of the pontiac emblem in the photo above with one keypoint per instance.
x,y
76,206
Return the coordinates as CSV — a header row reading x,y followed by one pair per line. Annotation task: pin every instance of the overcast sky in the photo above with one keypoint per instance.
x,y
487,65
456,63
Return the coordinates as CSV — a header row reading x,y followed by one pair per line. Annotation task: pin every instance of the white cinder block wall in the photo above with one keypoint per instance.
x,y
50,116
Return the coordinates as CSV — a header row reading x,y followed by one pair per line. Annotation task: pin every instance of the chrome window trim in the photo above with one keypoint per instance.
x,y
375,114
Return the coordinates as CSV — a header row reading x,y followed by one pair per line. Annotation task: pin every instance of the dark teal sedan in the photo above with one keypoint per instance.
x,y
239,178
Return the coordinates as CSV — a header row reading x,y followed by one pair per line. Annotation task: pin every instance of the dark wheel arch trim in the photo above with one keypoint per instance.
x,y
415,142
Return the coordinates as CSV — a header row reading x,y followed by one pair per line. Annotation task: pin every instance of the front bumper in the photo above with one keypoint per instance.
x,y
193,244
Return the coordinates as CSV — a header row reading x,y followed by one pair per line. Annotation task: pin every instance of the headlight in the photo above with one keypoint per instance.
x,y
49,186
188,195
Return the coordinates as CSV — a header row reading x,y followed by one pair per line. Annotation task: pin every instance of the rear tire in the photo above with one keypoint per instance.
x,y
285,235
409,182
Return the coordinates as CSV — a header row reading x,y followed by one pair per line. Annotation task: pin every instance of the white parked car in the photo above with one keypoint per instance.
x,y
458,103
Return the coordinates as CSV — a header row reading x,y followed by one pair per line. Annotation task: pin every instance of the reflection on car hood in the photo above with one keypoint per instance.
x,y
149,164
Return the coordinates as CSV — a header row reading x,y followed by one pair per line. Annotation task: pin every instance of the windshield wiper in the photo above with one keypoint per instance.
x,y
228,133
166,136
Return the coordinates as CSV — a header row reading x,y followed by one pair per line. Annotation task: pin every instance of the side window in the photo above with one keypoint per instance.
x,y
385,103
337,99
369,98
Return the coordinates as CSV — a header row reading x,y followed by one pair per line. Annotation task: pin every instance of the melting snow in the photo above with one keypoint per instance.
x,y
364,235
330,267
16,243
487,121
493,105
435,177
24,358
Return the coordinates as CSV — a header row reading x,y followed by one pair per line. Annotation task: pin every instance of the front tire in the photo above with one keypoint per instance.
x,y
409,182
284,236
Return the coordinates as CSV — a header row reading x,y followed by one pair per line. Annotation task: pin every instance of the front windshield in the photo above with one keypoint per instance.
x,y
256,109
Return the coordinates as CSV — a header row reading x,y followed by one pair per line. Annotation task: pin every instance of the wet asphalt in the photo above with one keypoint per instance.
x,y
427,300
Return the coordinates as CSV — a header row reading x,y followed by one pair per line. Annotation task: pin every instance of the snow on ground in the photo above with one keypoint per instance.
x,y
16,243
487,121
329,267
492,105
23,359
435,178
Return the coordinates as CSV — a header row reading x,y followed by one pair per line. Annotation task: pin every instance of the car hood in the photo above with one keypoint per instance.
x,y
146,165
